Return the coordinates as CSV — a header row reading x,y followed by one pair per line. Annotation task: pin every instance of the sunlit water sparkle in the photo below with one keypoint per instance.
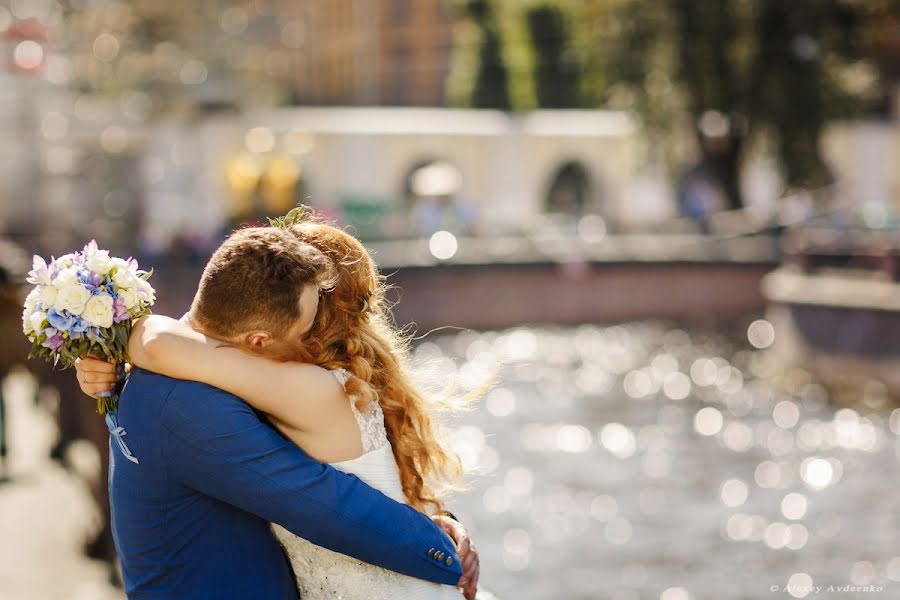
x,y
644,461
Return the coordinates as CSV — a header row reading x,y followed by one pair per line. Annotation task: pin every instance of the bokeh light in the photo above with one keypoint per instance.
x,y
443,245
28,55
761,333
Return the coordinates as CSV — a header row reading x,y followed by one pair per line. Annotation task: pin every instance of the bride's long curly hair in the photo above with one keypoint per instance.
x,y
353,330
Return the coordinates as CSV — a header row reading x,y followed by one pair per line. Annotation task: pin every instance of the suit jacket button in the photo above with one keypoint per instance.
x,y
449,561
431,552
437,556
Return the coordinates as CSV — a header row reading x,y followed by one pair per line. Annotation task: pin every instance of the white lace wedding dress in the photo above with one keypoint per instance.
x,y
324,574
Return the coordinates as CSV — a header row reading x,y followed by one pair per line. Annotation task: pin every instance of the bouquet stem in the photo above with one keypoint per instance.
x,y
108,402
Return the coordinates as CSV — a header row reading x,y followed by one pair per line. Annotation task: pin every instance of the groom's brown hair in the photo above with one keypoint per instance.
x,y
254,280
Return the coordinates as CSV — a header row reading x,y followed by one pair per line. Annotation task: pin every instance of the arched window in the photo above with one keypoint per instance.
x,y
432,189
430,178
570,190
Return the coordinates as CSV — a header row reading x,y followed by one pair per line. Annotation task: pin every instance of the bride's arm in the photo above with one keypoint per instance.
x,y
299,395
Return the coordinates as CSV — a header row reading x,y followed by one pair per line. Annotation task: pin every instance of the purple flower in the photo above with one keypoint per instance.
x,y
54,342
120,313
90,280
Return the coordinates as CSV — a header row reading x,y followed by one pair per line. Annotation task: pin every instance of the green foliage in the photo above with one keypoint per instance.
x,y
498,37
491,89
762,67
801,49
556,69
115,348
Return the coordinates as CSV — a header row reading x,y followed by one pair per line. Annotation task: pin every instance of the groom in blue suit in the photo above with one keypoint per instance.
x,y
196,477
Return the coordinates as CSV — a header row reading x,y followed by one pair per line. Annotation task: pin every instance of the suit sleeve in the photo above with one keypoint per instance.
x,y
213,443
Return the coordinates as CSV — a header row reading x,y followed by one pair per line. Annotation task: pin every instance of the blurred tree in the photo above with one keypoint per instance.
x,y
492,80
155,59
740,68
511,43
795,89
885,41
594,24
557,73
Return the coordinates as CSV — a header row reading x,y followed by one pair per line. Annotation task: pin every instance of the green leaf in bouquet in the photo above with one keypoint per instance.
x,y
121,335
293,217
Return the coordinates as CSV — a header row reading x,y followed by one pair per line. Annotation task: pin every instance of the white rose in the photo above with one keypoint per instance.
x,y
34,296
72,298
129,296
37,320
146,292
48,295
119,263
99,311
27,327
125,279
65,278
65,261
99,262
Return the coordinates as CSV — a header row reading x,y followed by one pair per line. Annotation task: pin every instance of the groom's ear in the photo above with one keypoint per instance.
x,y
257,340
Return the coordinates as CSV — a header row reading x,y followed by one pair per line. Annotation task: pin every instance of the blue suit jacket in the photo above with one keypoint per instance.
x,y
191,520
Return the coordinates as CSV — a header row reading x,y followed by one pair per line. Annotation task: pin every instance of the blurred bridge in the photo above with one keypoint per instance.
x,y
495,282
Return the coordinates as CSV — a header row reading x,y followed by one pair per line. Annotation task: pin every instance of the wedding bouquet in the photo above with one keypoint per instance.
x,y
83,304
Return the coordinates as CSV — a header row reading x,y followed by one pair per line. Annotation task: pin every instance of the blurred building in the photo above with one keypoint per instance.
x,y
368,52
395,172
21,91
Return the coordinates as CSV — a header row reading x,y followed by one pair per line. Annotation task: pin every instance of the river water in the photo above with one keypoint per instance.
x,y
643,461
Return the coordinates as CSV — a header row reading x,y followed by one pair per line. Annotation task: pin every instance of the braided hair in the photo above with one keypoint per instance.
x,y
354,331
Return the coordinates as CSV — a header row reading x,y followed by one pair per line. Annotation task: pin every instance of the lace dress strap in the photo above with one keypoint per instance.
x,y
370,421
342,375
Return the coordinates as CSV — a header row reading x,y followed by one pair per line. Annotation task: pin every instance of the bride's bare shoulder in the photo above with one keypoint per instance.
x,y
319,387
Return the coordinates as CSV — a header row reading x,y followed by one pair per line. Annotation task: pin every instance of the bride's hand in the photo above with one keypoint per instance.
x,y
468,555
95,376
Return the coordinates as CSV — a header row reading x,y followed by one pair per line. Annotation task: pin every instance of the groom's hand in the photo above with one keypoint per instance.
x,y
468,555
